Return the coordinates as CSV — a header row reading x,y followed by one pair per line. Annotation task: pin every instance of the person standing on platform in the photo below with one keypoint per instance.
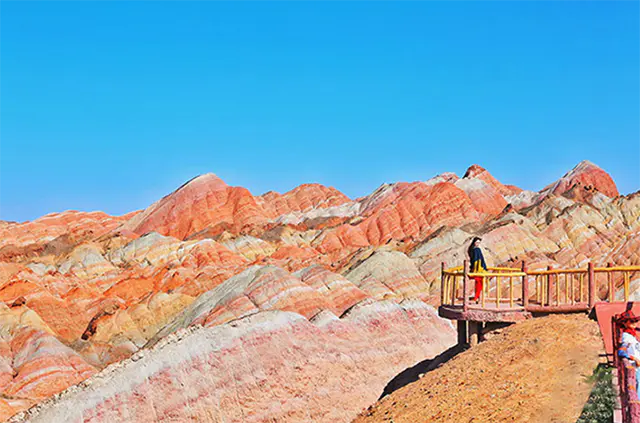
x,y
478,265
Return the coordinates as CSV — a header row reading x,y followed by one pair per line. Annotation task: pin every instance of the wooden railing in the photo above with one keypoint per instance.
x,y
537,290
562,289
498,286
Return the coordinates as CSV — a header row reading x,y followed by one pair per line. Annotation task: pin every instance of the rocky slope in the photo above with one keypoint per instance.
x,y
90,289
269,366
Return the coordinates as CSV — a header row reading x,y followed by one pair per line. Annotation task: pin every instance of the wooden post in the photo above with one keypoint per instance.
x,y
612,288
525,286
510,292
549,285
573,289
592,285
443,287
484,292
462,332
451,286
474,333
498,293
454,287
626,285
465,284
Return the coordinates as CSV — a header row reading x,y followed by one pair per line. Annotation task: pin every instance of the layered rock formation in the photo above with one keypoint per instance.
x,y
270,366
105,288
586,175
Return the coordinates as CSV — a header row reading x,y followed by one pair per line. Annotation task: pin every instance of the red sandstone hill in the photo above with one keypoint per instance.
x,y
80,291
584,174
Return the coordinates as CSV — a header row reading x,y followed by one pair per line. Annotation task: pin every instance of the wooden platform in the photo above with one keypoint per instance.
x,y
558,308
476,313
505,313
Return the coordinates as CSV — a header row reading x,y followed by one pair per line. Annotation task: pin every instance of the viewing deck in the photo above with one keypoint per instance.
x,y
514,294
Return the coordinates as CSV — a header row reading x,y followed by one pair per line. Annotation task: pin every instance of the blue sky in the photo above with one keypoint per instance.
x,y
111,105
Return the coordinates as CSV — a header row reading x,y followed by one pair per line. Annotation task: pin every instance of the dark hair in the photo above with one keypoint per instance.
x,y
470,249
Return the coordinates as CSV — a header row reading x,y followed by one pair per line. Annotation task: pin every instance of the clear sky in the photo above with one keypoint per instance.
x,y
111,105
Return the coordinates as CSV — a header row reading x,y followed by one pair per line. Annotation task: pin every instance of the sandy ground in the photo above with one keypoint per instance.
x,y
535,371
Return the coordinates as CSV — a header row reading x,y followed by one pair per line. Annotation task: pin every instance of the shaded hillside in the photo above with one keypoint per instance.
x,y
272,366
536,371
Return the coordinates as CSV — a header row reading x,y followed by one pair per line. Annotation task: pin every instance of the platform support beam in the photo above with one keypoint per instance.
x,y
462,332
475,333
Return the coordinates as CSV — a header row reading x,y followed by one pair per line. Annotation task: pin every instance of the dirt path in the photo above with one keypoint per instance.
x,y
535,371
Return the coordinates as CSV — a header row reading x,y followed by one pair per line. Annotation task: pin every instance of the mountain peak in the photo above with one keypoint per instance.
x,y
586,174
478,172
210,180
473,171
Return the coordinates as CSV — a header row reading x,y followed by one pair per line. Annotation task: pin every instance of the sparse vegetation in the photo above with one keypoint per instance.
x,y
599,407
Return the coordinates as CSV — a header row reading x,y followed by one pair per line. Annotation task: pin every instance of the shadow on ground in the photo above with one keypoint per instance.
x,y
412,374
